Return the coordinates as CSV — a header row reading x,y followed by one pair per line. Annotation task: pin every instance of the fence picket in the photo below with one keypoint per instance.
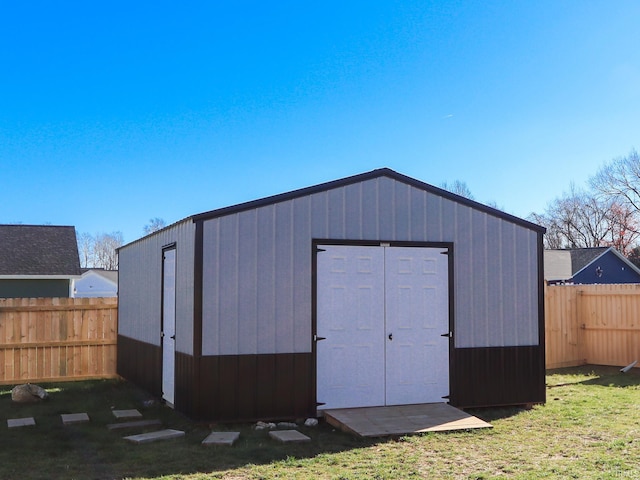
x,y
604,319
55,339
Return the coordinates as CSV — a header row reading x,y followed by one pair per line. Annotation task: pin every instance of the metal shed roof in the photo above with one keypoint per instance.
x,y
381,172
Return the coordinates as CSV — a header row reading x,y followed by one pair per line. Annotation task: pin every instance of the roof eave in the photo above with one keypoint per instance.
x,y
381,172
183,220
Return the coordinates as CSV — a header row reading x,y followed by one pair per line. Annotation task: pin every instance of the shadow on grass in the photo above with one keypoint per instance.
x,y
490,414
90,450
605,376
51,450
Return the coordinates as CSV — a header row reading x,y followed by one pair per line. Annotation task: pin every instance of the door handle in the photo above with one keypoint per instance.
x,y
173,337
391,336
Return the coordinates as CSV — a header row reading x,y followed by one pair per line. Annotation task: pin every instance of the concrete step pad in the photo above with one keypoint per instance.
x,y
289,436
155,436
134,424
71,418
132,413
20,422
221,438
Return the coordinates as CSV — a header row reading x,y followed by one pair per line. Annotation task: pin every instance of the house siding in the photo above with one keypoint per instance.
x,y
257,265
93,285
34,288
613,270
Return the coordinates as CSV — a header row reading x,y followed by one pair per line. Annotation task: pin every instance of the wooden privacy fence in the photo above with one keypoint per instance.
x,y
55,339
592,324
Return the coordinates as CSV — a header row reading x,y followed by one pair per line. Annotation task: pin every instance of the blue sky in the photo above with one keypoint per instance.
x,y
112,113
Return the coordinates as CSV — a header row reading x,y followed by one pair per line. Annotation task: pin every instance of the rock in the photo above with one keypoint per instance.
x,y
265,426
311,422
28,393
287,425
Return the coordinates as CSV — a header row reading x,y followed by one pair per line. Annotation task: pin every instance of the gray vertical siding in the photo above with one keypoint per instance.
x,y
257,265
140,286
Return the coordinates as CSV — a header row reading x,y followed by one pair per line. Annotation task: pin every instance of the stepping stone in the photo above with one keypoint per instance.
x,y
221,438
134,424
289,436
154,436
20,422
133,413
70,418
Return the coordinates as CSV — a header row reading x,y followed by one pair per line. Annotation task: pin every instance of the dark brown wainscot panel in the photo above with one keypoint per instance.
x,y
256,387
140,363
496,376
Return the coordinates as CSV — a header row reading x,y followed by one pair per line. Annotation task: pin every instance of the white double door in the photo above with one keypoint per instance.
x,y
382,326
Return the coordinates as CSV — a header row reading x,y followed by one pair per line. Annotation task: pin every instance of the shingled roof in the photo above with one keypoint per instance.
x,y
38,250
581,257
566,264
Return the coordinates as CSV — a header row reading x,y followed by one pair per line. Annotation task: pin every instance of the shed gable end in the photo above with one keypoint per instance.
x,y
257,264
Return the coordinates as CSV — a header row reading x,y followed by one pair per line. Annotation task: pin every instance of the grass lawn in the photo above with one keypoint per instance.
x,y
589,428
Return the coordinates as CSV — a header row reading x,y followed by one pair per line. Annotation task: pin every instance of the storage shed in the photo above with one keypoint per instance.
x,y
376,289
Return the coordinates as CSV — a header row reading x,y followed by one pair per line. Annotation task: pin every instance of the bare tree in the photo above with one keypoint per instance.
x,y
624,229
609,215
459,188
618,182
553,238
85,249
579,219
634,256
105,250
620,179
154,225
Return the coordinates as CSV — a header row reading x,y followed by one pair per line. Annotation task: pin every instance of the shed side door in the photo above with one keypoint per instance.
x,y
168,324
350,318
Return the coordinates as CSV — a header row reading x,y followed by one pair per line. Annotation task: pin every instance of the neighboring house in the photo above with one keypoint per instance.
x,y
375,289
96,282
38,261
589,266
